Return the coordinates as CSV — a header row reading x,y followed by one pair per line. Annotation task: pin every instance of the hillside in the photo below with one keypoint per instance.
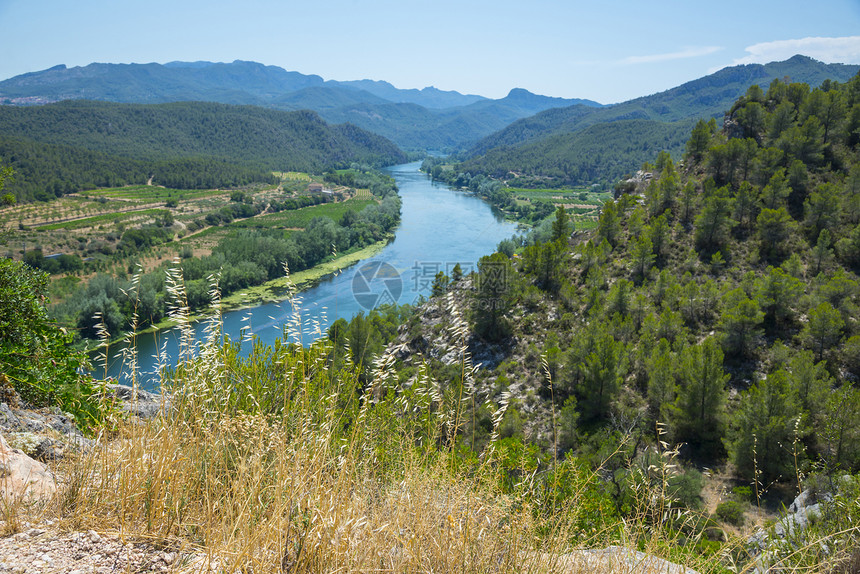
x,y
599,153
152,140
416,127
414,119
510,149
714,307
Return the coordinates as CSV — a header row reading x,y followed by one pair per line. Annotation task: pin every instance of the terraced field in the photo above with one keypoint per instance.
x,y
582,204
301,217
90,223
96,220
148,194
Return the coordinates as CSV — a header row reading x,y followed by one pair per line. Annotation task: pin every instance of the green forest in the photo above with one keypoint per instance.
x,y
722,286
600,153
70,146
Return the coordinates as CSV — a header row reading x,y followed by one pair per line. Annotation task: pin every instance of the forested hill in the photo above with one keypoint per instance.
x,y
705,97
187,139
715,306
414,119
664,119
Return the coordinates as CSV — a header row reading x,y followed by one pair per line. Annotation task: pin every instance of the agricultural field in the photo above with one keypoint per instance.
x,y
582,204
144,194
104,218
578,196
91,225
299,218
293,175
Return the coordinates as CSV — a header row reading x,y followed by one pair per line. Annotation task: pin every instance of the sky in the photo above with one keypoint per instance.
x,y
608,51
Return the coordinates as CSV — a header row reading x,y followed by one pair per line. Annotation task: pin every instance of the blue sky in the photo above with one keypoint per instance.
x,y
607,51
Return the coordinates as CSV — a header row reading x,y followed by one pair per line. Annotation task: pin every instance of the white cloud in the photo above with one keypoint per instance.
x,y
693,52
845,50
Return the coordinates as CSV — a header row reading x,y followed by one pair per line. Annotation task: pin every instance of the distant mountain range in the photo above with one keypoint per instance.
x,y
569,140
413,119
579,144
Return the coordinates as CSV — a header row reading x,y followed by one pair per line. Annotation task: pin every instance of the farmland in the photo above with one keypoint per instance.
x,y
301,217
89,226
582,204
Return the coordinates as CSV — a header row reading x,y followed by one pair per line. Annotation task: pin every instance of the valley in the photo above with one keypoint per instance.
x,y
595,327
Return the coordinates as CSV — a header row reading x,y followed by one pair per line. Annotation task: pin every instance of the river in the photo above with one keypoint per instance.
x,y
439,228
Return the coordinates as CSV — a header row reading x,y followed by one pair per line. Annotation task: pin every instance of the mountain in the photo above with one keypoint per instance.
x,y
711,96
429,97
413,119
185,134
416,127
235,83
323,99
598,153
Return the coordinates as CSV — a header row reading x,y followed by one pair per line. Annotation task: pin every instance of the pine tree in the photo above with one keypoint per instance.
x,y
774,228
766,431
662,387
642,256
839,432
777,292
700,407
823,330
609,223
603,373
740,321
561,226
714,222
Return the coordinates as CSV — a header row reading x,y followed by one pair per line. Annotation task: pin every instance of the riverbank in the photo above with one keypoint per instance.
x,y
272,291
277,289
438,228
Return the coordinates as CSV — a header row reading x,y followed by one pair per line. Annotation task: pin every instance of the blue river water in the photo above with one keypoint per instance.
x,y
439,228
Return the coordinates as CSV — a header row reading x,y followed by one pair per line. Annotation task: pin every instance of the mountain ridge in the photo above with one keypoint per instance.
x,y
70,145
709,95
414,119
516,147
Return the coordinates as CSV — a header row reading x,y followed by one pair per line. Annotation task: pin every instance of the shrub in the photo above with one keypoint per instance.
x,y
732,512
34,352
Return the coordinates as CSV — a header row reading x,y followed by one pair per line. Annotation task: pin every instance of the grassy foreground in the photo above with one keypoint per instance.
x,y
279,462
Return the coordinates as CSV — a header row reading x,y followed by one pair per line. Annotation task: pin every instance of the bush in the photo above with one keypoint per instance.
x,y
732,512
34,352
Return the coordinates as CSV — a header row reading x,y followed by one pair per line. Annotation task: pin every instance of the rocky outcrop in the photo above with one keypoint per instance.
x,y
47,434
611,560
137,402
790,530
44,434
797,519
21,477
